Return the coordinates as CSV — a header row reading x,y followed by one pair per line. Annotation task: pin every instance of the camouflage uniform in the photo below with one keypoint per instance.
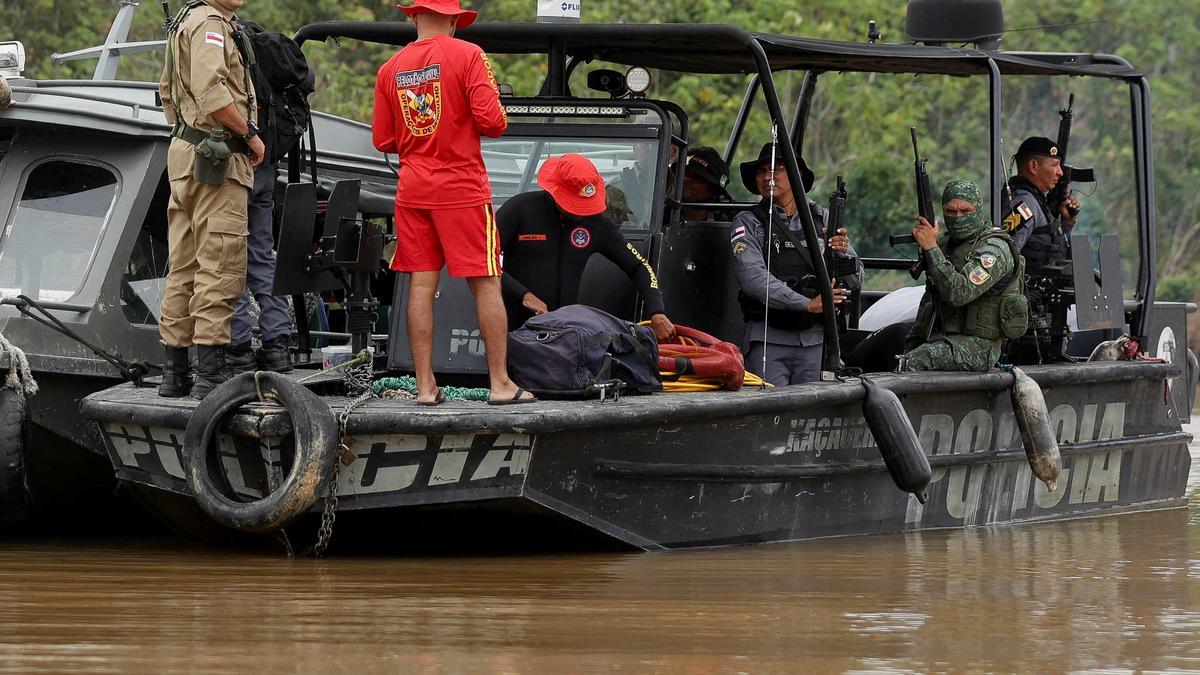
x,y
978,268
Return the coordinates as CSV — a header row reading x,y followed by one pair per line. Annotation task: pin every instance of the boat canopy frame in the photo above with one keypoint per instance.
x,y
724,49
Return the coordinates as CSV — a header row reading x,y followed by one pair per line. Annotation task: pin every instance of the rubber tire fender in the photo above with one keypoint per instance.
x,y
16,497
314,429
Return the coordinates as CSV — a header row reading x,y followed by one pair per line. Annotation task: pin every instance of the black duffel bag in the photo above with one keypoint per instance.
x,y
579,352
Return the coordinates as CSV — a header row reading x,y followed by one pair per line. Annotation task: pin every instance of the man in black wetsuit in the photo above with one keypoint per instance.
x,y
548,235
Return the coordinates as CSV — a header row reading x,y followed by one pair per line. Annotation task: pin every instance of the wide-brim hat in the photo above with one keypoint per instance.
x,y
764,156
574,183
466,17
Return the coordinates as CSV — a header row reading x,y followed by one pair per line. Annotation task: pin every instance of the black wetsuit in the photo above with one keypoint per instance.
x,y
545,254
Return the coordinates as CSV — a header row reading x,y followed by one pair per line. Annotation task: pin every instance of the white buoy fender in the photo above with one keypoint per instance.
x,y
1033,419
897,441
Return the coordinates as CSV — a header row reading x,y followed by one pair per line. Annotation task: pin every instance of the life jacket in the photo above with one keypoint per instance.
x,y
790,263
283,81
696,354
1002,311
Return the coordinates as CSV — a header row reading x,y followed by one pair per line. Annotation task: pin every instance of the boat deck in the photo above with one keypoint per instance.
x,y
127,403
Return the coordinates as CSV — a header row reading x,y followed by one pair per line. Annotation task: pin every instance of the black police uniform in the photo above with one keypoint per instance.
x,y
1038,232
1043,239
545,254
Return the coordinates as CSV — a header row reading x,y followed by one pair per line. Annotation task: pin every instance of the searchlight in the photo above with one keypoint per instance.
x,y
12,59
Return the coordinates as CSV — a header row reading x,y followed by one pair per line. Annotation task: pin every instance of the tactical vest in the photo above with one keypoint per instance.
x,y
791,265
1002,311
1046,243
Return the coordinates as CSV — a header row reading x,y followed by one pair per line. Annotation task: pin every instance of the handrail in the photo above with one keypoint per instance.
x,y
87,97
48,304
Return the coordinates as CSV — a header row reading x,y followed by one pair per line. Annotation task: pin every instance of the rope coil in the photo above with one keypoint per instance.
x,y
20,378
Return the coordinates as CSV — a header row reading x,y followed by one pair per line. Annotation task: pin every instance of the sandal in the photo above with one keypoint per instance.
x,y
437,400
516,399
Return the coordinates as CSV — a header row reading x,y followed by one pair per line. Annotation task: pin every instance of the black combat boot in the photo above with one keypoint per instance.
x,y
177,373
275,354
240,358
211,369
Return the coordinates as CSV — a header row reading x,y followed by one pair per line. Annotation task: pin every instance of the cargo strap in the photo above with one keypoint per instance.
x,y
195,136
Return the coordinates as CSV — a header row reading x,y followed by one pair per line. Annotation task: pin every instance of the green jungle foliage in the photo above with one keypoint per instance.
x,y
859,126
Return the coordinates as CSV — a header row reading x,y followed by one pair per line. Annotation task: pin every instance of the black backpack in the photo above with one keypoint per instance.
x,y
580,352
283,82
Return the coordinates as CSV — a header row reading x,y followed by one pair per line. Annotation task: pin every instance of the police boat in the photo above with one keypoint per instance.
x,y
83,194
314,456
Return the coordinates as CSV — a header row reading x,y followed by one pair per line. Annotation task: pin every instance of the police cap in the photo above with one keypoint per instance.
x,y
1037,146
707,164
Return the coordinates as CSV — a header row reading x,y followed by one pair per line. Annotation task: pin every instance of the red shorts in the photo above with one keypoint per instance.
x,y
465,240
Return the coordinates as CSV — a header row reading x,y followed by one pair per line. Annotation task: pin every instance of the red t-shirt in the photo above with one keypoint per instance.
x,y
433,101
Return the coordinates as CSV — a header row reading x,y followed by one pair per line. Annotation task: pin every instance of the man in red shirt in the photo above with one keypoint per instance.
x,y
433,101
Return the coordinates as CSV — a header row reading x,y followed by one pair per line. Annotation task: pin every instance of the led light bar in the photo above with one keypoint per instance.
x,y
571,110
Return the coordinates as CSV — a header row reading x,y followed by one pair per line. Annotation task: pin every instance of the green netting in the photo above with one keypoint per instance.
x,y
408,383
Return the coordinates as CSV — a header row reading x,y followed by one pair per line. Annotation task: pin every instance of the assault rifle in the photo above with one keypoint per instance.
x,y
838,266
1062,189
924,200
924,207
925,210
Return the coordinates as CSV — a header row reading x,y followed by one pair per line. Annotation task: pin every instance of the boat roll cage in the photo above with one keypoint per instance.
x,y
724,49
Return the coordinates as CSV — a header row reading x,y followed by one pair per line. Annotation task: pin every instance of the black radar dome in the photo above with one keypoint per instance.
x,y
955,22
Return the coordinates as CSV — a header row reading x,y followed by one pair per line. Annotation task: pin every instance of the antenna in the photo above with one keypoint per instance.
x,y
770,240
108,55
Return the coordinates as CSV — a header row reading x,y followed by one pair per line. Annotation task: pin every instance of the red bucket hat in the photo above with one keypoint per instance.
x,y
574,183
466,17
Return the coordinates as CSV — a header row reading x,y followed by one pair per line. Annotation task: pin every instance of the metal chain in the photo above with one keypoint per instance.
x,y
358,380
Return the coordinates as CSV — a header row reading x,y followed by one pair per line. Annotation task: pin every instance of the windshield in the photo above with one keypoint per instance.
x,y
628,167
51,240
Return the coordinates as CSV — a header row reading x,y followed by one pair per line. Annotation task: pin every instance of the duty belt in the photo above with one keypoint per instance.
x,y
194,136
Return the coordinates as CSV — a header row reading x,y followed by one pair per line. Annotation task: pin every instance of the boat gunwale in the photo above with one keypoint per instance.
x,y
380,416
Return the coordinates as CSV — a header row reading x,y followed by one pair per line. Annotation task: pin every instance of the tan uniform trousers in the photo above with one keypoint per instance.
x,y
206,233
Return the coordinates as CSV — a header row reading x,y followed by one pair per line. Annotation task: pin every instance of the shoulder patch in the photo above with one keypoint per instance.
x,y
214,38
1025,211
978,276
987,260
739,247
738,233
1012,222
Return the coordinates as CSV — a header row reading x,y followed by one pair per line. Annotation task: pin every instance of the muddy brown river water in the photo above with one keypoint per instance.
x,y
1115,594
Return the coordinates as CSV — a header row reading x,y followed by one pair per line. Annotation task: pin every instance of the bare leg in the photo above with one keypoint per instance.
x,y
493,328
422,286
